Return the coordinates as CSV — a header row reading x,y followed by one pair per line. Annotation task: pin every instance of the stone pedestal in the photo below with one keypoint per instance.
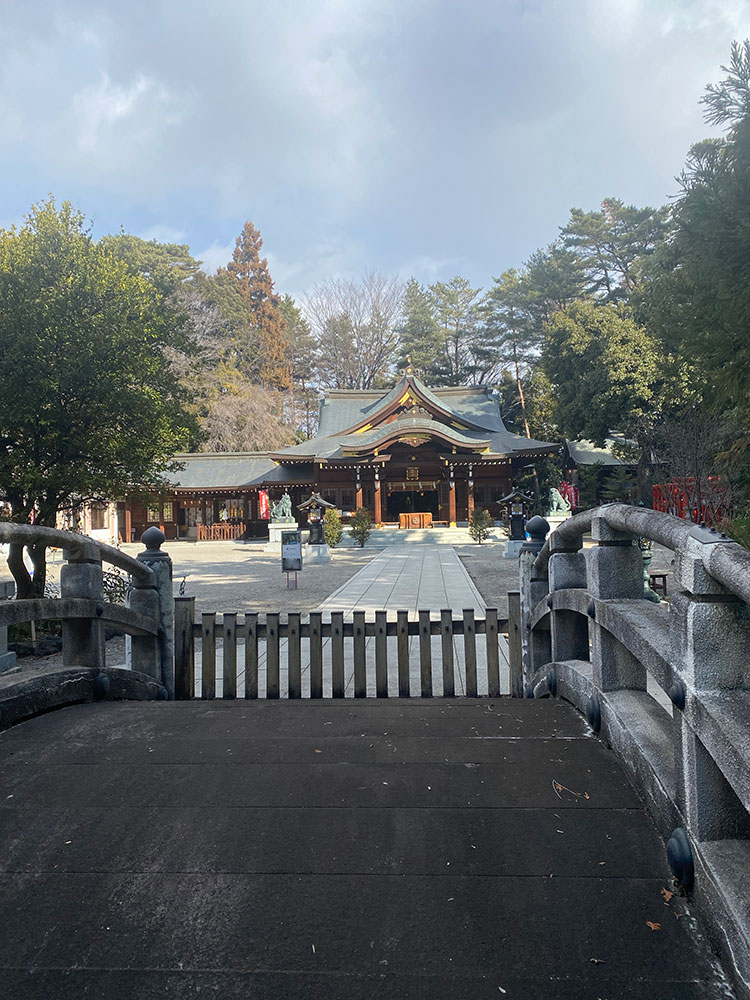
x,y
513,547
275,529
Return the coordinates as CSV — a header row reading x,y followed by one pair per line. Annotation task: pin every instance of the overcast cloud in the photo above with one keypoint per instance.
x,y
428,137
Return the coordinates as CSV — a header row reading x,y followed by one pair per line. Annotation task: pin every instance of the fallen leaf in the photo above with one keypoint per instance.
x,y
597,961
654,925
318,751
667,895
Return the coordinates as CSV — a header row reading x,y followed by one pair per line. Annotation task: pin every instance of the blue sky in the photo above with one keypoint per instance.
x,y
424,137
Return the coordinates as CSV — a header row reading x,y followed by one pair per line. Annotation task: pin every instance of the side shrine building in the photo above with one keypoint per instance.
x,y
412,456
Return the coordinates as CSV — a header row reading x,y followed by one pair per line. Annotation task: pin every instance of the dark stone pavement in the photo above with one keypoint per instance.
x,y
423,849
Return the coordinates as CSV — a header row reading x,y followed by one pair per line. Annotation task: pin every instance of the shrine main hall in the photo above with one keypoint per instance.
x,y
412,456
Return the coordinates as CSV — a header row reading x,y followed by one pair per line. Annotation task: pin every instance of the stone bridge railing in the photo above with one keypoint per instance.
x,y
667,685
147,621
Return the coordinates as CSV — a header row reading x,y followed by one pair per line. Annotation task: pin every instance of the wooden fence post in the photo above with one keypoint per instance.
x,y
515,653
184,648
229,684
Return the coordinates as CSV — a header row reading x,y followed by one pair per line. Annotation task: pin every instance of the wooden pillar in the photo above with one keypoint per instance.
x,y
452,500
378,512
470,496
128,523
358,496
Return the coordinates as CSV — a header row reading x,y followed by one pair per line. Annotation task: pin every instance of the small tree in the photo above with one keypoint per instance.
x,y
480,525
618,486
332,530
360,527
589,477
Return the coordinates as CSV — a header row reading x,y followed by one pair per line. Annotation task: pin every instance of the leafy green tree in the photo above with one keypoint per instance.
x,y
90,408
612,245
167,266
360,526
696,297
608,374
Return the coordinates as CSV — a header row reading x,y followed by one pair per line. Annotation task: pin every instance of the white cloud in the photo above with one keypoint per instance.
x,y
215,256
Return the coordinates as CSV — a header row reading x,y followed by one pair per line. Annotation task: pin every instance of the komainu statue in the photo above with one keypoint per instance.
x,y
557,503
282,511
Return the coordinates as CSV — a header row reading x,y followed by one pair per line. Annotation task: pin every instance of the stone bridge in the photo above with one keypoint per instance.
x,y
422,847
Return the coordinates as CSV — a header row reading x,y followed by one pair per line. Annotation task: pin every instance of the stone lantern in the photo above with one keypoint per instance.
x,y
517,506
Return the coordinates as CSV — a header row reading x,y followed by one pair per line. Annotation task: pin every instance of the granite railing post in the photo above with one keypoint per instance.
x,y
615,572
7,659
709,630
567,570
534,587
83,638
154,656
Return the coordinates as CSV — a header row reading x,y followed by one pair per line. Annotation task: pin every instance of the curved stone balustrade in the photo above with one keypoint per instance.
x,y
73,544
148,620
667,685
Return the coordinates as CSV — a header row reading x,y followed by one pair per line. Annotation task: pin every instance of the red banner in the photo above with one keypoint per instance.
x,y
263,511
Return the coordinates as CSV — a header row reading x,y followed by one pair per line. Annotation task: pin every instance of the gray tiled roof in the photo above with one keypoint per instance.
x,y
587,453
219,470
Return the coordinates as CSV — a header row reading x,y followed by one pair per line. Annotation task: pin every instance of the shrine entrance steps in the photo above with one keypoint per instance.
x,y
393,535
468,849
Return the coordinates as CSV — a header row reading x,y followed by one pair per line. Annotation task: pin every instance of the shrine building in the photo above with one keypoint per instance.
x,y
411,455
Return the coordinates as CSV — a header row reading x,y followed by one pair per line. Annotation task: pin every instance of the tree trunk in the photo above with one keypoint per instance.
x,y
522,398
24,583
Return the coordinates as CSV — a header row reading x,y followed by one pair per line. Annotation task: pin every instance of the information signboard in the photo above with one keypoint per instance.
x,y
291,551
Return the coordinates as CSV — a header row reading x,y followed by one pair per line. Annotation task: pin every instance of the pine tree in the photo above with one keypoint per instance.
x,y
618,486
254,283
420,339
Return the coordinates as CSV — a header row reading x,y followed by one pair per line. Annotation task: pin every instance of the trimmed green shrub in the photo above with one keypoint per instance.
x,y
360,527
332,530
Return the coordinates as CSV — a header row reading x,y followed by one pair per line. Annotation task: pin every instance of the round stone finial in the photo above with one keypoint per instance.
x,y
680,858
153,538
537,527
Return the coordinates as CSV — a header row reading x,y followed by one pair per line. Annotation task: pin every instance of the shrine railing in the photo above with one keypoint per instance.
x,y
667,684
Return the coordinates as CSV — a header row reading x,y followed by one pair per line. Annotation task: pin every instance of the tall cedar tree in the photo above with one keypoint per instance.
x,y
256,287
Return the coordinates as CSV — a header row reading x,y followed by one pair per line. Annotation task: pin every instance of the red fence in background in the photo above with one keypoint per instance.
x,y
684,498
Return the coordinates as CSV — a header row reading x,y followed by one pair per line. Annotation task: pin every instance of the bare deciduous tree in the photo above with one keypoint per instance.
x,y
356,328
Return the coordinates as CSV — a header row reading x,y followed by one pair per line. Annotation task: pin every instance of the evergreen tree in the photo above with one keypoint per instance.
x,y
612,245
618,486
253,281
420,339
456,307
300,366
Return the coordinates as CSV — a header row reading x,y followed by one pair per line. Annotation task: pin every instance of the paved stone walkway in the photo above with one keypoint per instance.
x,y
389,850
411,578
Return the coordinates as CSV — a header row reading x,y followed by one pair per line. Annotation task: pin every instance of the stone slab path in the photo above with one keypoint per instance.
x,y
378,850
410,578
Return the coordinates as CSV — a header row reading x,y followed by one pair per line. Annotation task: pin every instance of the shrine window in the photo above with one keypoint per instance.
x,y
98,516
